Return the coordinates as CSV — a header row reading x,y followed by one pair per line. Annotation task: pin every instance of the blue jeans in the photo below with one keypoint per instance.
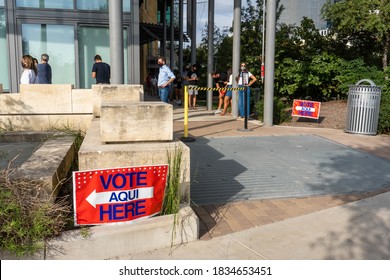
x,y
164,94
241,100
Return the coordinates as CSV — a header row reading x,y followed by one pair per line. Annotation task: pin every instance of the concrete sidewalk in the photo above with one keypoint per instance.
x,y
359,230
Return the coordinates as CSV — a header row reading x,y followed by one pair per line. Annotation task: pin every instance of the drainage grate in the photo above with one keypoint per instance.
x,y
242,168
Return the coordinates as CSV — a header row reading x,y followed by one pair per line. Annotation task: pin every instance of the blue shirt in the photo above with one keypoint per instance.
x,y
44,74
164,75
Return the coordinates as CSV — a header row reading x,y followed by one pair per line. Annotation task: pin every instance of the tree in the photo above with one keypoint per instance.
x,y
252,35
362,24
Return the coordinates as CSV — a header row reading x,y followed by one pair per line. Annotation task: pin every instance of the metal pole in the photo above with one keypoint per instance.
x,y
263,44
133,46
236,53
193,32
181,24
172,39
269,63
164,39
116,41
210,54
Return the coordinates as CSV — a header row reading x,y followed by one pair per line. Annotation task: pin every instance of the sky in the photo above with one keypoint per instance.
x,y
223,15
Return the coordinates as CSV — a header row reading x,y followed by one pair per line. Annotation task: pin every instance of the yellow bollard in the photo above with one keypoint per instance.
x,y
185,138
185,112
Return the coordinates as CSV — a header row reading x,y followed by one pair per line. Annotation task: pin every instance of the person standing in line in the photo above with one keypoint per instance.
x,y
220,80
29,71
44,70
178,88
153,82
193,78
228,96
101,71
165,78
184,79
244,79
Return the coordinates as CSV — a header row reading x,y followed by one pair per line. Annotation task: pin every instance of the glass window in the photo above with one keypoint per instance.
x,y
58,42
126,5
101,5
92,41
53,4
1,3
4,76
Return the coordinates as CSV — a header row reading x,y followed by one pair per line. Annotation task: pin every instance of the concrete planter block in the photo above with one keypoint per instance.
x,y
136,121
22,122
49,165
82,102
115,93
94,154
46,99
11,103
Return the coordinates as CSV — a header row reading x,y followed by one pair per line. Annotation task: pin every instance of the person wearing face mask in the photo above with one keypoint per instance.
x,y
244,79
29,71
165,78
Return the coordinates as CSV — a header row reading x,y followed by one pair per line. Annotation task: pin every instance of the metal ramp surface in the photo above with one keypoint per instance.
x,y
242,168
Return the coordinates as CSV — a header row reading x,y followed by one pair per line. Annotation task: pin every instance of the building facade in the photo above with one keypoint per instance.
x,y
295,10
72,32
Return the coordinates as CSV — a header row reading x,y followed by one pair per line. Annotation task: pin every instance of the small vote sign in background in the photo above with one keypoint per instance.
x,y
118,194
306,109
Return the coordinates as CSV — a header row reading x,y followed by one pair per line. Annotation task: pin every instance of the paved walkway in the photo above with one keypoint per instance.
x,y
222,219
344,226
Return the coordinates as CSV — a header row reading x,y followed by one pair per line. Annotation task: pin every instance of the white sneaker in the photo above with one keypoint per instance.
x,y
179,102
217,112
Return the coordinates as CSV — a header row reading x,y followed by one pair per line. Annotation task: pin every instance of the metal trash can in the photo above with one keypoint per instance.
x,y
363,108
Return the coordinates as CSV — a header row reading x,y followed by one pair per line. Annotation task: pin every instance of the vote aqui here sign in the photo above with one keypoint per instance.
x,y
306,109
118,194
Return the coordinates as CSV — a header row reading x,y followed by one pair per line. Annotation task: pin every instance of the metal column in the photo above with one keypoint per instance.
x,y
269,63
181,36
133,46
116,41
236,53
193,32
172,39
210,54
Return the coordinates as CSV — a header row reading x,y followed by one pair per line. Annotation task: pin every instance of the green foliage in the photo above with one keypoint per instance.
x,y
351,72
27,221
315,78
364,24
280,110
171,202
384,113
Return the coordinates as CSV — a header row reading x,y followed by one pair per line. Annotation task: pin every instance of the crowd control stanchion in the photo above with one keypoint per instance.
x,y
245,105
185,138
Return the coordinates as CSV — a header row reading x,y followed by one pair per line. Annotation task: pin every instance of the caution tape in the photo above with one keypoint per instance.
x,y
206,88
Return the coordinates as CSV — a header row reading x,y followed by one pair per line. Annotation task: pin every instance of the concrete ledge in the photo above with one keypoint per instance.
x,y
94,154
115,93
27,136
33,122
136,121
49,164
82,102
46,99
46,88
113,241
